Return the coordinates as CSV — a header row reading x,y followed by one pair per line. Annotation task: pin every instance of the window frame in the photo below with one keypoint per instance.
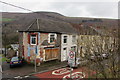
x,y
73,48
52,38
49,37
65,39
35,36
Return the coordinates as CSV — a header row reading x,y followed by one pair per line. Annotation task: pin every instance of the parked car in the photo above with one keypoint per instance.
x,y
15,61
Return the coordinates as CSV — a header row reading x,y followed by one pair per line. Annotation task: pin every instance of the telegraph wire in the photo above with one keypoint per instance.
x,y
16,6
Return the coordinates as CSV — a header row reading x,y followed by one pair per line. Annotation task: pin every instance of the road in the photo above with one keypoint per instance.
x,y
65,73
27,69
17,71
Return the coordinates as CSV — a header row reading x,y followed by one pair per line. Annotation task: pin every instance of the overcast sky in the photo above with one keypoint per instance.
x,y
71,8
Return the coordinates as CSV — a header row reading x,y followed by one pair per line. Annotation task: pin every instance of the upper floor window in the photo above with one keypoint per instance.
x,y
33,39
74,39
65,39
52,37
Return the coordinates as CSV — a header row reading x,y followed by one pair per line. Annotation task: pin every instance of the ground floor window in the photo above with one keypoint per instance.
x,y
64,48
73,48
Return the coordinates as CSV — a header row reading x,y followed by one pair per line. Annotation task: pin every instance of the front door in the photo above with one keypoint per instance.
x,y
64,54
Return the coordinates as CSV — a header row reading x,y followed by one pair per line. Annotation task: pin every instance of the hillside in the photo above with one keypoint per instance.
x,y
11,22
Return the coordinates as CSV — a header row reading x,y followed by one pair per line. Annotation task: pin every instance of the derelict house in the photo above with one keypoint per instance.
x,y
47,40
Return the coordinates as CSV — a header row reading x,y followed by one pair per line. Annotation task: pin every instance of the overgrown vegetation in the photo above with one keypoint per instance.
x,y
3,58
105,68
6,40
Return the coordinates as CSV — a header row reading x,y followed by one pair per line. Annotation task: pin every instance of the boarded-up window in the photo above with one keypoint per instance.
x,y
54,53
51,53
48,54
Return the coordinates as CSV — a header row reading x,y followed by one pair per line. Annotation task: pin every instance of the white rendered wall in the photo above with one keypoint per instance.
x,y
67,45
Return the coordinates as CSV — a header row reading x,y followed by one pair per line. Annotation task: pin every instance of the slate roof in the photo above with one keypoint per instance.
x,y
45,25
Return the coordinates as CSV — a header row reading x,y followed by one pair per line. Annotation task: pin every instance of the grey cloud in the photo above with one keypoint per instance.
x,y
105,9
75,9
88,9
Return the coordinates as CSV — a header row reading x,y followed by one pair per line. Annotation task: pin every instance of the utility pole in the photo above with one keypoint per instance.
x,y
35,63
5,43
71,71
35,57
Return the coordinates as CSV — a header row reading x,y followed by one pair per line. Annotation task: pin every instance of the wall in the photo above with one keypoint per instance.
x,y
20,44
25,44
67,45
29,50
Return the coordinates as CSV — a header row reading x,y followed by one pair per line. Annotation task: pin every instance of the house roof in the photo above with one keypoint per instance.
x,y
45,25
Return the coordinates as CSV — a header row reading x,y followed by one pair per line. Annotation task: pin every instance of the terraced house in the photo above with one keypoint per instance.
x,y
47,40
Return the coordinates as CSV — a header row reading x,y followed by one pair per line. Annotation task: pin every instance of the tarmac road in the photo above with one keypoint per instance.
x,y
17,71
65,73
27,69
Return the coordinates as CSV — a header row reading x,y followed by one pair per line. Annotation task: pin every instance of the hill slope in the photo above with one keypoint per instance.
x,y
17,21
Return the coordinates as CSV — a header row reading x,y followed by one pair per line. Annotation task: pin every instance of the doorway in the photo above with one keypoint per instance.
x,y
64,54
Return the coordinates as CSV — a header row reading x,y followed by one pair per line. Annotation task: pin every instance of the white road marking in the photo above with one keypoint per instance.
x,y
26,76
75,75
61,71
18,77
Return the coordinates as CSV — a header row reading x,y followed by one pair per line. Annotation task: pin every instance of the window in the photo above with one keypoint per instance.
x,y
64,48
52,38
73,48
33,39
73,39
14,59
65,39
